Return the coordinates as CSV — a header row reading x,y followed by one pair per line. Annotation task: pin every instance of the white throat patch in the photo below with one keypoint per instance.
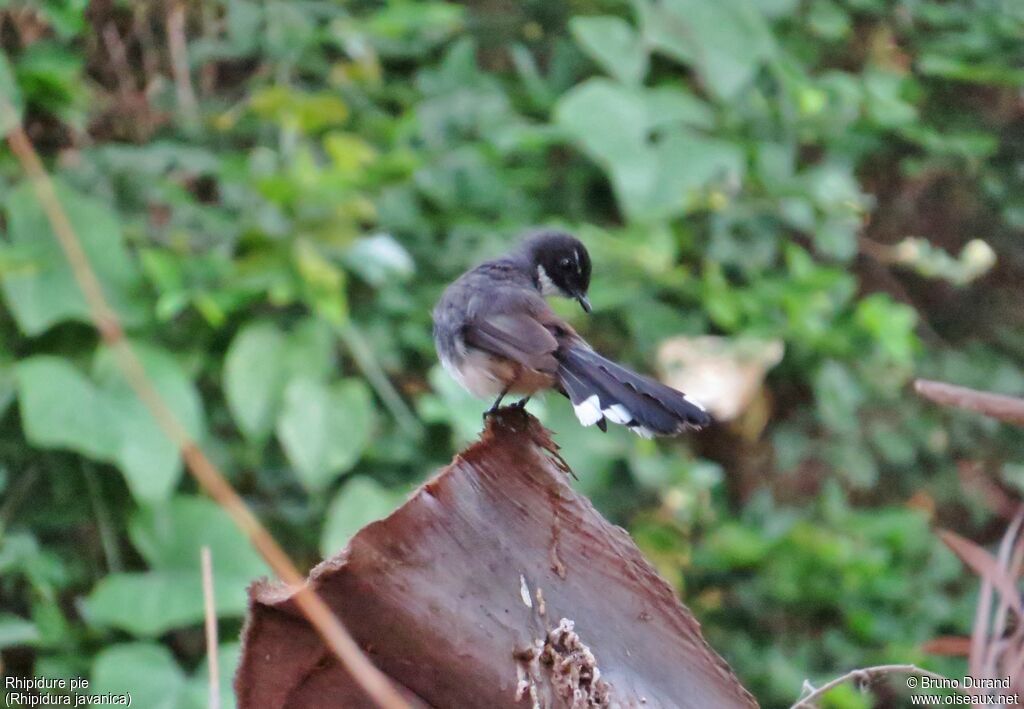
x,y
547,286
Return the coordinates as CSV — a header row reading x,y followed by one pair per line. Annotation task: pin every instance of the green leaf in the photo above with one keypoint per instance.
x,y
607,119
44,291
727,40
669,105
52,396
450,404
838,395
323,428
687,163
148,458
252,378
613,44
653,178
151,603
153,678
148,672
260,362
169,536
170,595
11,104
360,501
309,350
15,631
118,428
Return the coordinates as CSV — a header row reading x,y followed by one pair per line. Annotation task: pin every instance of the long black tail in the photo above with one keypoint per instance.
x,y
599,389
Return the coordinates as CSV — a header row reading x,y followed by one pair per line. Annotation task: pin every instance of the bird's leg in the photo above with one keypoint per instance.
x,y
497,402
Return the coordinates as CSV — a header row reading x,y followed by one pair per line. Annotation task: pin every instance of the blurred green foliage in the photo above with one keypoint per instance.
x,y
274,227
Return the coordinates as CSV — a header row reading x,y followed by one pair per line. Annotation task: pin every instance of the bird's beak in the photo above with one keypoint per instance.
x,y
584,302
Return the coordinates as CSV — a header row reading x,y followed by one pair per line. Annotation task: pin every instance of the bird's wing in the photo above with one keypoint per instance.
x,y
520,337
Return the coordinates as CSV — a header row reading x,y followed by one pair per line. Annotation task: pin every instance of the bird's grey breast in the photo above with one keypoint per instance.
x,y
486,291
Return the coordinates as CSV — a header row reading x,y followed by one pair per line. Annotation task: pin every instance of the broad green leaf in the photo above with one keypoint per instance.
x,y
260,362
411,29
309,350
15,631
147,457
153,678
653,177
103,419
669,105
609,120
252,378
53,396
727,41
170,595
360,501
303,428
883,99
450,404
44,291
148,604
686,163
352,419
147,671
380,259
838,395
324,428
169,536
613,44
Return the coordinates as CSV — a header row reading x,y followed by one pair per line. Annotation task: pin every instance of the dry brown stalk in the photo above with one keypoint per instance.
x,y
862,677
178,48
1005,408
334,634
210,626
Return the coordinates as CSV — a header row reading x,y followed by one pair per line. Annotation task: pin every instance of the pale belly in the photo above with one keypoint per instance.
x,y
486,376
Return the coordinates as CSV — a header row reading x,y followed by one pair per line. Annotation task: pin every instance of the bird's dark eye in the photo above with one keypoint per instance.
x,y
564,263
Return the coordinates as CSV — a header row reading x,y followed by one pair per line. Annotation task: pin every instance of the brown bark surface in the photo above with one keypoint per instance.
x,y
496,585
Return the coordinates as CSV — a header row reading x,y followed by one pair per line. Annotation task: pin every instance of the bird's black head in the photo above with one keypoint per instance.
x,y
560,265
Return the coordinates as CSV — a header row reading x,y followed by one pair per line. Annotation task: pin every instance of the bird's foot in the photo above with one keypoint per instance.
x,y
521,404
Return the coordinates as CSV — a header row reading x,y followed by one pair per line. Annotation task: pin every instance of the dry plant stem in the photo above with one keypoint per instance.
x,y
179,60
1005,408
979,631
211,627
1009,545
372,680
865,674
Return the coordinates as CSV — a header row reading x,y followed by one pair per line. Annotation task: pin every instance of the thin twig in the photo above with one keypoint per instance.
x,y
319,614
17,494
107,539
178,48
118,58
1005,408
979,630
208,73
210,610
368,365
1007,546
865,675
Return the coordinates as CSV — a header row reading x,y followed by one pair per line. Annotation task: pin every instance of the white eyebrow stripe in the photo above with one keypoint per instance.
x,y
576,255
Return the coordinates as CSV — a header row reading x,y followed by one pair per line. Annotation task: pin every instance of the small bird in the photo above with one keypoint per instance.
x,y
495,334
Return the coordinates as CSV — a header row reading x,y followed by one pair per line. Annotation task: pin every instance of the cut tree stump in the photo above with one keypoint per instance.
x,y
496,585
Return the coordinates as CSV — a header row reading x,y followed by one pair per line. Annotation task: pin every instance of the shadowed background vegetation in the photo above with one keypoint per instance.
x,y
275,193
